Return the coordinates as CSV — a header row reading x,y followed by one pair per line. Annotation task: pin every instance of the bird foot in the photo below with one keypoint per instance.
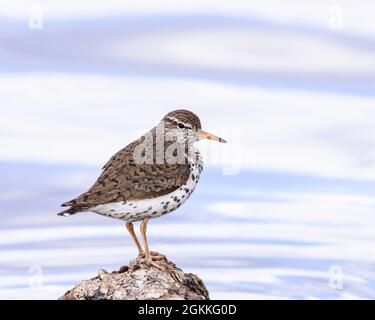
x,y
155,259
157,256
153,256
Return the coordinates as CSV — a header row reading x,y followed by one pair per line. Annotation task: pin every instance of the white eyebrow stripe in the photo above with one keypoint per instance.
x,y
174,119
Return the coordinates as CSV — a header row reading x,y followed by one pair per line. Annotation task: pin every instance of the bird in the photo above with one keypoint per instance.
x,y
149,178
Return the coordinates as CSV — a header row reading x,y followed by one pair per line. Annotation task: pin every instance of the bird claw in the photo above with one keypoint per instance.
x,y
159,266
153,254
155,259
157,256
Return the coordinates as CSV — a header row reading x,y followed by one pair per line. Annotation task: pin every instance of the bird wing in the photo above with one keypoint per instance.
x,y
124,180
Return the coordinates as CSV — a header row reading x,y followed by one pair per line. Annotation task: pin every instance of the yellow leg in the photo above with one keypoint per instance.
x,y
130,228
144,237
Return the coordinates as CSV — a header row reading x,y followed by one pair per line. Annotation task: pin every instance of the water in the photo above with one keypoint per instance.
x,y
284,210
268,244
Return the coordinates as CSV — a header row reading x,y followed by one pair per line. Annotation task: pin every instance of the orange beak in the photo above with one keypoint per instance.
x,y
205,135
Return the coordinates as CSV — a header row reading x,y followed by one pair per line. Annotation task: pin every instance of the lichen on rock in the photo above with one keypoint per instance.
x,y
141,282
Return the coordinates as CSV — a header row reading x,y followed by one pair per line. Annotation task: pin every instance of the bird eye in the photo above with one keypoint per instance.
x,y
181,125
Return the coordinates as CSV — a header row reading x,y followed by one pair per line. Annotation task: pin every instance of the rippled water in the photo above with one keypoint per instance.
x,y
284,210
295,243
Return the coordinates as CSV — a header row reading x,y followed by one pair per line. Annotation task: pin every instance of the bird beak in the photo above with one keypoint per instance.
x,y
205,135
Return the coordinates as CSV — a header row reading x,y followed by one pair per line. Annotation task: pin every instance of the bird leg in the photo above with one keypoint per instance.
x,y
151,257
144,237
130,228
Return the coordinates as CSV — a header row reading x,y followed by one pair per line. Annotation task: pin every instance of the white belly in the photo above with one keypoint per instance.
x,y
136,210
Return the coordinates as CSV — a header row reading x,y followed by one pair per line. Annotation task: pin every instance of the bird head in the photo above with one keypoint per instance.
x,y
186,126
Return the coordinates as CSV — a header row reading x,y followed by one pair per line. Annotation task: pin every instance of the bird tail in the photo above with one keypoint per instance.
x,y
69,212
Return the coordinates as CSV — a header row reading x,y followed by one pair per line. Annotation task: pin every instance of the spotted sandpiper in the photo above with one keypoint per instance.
x,y
151,177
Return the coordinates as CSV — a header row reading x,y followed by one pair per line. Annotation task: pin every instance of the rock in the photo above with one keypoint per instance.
x,y
141,282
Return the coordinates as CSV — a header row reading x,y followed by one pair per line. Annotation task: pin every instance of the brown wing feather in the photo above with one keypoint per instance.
x,y
124,180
